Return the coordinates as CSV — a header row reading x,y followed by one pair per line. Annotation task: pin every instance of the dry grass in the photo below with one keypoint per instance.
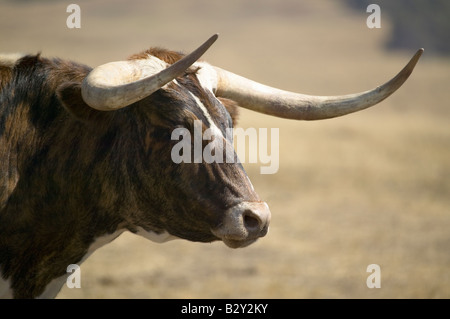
x,y
372,187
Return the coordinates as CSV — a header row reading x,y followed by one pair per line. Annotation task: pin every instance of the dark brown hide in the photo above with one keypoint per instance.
x,y
70,174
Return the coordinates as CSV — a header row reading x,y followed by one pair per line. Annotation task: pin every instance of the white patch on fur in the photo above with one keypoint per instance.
x,y
54,287
101,241
214,129
157,238
207,76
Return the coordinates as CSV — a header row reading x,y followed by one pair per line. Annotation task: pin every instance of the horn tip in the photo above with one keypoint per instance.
x,y
214,37
415,59
419,53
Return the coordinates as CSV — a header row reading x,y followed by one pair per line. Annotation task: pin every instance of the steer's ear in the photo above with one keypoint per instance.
x,y
69,94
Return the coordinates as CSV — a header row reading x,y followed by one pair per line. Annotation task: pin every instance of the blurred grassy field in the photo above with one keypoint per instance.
x,y
369,188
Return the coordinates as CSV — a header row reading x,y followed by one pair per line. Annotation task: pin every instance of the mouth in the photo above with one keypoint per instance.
x,y
237,241
233,243
243,224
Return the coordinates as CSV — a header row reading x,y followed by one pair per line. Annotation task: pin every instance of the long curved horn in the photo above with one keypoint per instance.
x,y
275,102
114,85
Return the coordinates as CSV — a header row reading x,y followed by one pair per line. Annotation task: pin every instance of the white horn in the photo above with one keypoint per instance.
x,y
114,85
275,102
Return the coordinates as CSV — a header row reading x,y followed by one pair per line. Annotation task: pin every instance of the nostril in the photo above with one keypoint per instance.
x,y
243,223
251,222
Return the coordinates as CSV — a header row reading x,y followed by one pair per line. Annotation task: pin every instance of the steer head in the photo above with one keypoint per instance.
x,y
196,200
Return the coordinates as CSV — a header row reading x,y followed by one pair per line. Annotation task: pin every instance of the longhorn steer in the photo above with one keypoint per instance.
x,y
86,154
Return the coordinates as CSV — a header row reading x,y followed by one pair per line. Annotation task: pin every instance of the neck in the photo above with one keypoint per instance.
x,y
46,281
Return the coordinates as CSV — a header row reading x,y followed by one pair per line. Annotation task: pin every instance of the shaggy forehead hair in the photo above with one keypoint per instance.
x,y
171,57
